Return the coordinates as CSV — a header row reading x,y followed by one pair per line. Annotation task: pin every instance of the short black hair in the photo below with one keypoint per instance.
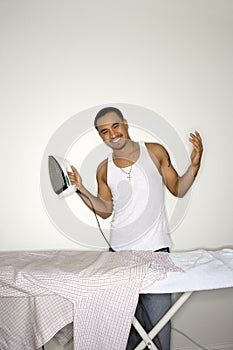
x,y
106,110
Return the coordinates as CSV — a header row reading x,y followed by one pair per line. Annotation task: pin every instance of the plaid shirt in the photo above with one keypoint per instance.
x,y
41,292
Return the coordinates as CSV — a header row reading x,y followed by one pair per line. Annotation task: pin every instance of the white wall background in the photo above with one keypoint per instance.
x,y
59,58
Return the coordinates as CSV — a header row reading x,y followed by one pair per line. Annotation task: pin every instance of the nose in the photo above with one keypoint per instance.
x,y
112,133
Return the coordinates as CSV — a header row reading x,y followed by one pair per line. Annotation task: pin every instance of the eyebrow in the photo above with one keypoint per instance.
x,y
103,130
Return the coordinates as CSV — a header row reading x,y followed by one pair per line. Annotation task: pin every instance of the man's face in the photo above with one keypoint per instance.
x,y
113,131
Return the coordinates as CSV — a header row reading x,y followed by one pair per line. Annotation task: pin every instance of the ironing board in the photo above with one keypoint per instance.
x,y
197,270
203,270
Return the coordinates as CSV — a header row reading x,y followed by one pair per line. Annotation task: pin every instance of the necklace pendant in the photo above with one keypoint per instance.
x,y
128,173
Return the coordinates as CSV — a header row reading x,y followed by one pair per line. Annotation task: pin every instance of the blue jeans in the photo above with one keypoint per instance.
x,y
153,307
150,309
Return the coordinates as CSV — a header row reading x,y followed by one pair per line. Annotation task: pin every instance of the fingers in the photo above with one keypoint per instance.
x,y
195,139
74,177
75,172
71,177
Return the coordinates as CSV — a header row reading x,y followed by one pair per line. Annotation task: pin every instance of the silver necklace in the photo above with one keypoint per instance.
x,y
128,173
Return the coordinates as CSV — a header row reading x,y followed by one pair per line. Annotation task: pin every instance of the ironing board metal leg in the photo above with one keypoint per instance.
x,y
147,342
157,328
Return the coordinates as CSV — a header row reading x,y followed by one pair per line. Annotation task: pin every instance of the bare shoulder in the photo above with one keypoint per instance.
x,y
104,191
159,155
156,150
102,170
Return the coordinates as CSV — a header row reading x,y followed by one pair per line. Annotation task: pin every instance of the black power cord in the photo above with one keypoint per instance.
x,y
93,209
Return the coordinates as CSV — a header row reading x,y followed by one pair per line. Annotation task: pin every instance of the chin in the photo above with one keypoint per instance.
x,y
118,146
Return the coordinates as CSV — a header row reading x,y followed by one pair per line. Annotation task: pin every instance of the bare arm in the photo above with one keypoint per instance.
x,y
177,185
102,203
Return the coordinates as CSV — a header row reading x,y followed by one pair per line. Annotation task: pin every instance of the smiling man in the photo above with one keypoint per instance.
x,y
131,189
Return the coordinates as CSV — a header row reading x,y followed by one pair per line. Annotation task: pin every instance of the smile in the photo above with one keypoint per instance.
x,y
116,140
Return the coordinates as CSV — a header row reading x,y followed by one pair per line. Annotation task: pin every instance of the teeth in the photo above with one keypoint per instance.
x,y
116,140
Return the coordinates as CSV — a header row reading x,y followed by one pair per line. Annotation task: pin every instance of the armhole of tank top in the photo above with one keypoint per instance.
x,y
149,157
109,160
142,144
144,149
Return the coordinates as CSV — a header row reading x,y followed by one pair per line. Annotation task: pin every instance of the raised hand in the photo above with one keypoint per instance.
x,y
197,151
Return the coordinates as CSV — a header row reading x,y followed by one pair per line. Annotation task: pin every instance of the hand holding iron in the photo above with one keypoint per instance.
x,y
75,178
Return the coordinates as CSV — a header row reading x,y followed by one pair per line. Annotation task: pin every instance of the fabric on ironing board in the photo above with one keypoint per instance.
x,y
102,286
202,270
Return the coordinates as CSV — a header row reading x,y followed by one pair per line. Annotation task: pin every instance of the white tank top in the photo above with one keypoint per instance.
x,y
139,220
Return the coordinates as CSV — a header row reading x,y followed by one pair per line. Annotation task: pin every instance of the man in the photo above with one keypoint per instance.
x,y
130,186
